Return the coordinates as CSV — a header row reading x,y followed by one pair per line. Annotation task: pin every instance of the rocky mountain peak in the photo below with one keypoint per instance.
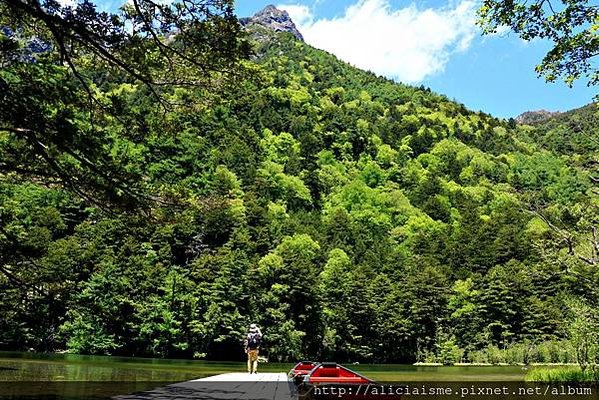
x,y
275,19
536,116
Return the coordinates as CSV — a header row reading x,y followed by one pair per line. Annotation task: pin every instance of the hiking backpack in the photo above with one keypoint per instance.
x,y
254,340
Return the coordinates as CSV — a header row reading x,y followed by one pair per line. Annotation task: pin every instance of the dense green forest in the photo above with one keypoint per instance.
x,y
353,218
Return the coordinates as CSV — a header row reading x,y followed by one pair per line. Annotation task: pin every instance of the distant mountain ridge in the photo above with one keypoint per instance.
x,y
536,116
273,18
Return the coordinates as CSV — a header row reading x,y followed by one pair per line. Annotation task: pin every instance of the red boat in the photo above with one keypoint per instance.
x,y
333,381
300,370
335,374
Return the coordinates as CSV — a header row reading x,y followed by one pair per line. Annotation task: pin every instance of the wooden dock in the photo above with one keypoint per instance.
x,y
261,386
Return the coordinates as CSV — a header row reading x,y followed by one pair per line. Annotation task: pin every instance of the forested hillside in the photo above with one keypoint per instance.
x,y
351,217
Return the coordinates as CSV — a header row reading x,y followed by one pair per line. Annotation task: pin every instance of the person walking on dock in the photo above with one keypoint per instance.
x,y
252,347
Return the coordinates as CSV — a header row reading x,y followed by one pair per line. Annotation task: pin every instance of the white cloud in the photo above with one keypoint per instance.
x,y
67,3
300,14
408,44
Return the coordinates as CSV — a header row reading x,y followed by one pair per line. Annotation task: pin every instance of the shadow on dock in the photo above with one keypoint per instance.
x,y
223,387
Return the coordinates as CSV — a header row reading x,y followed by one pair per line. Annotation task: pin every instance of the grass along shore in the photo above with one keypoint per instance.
x,y
562,374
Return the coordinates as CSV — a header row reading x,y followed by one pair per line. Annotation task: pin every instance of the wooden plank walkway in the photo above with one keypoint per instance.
x,y
260,386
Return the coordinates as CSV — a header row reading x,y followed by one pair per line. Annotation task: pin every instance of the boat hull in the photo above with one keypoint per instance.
x,y
334,381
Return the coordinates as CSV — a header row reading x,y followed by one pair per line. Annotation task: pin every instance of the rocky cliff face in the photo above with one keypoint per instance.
x,y
275,19
533,117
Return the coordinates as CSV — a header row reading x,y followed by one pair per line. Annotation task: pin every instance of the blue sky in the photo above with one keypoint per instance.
x,y
435,43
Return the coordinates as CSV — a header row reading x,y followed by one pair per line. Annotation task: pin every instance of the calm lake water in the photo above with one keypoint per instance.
x,y
67,376
70,367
